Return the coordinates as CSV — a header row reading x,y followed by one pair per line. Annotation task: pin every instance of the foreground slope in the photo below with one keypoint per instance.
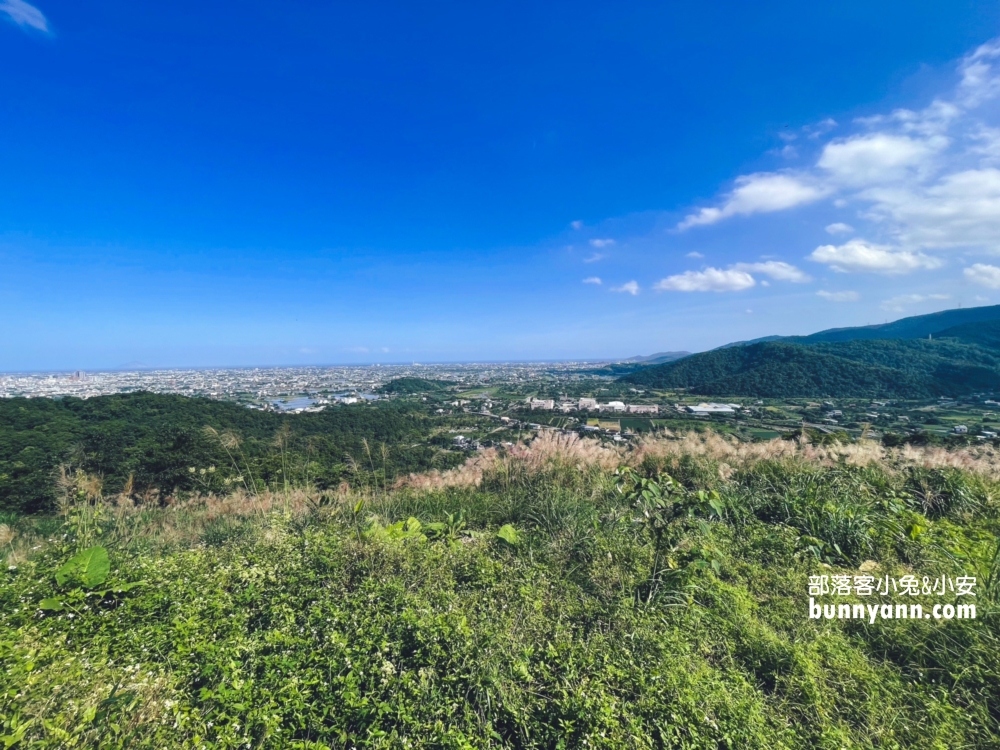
x,y
595,618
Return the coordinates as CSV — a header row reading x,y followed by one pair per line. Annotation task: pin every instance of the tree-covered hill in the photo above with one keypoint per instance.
x,y
985,334
867,368
913,327
410,385
159,443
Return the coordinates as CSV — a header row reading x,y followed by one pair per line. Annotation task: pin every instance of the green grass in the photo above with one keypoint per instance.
x,y
346,623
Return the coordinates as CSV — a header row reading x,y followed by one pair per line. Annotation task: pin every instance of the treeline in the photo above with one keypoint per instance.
x,y
153,445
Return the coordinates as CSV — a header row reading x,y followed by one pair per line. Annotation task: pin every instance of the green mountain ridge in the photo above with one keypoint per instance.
x,y
950,353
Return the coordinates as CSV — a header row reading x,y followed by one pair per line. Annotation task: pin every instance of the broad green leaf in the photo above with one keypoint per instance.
x,y
88,568
51,604
509,534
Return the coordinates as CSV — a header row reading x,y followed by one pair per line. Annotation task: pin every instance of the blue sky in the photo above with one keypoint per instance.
x,y
199,184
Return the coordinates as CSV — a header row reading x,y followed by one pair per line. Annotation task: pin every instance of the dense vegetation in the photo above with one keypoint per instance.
x,y
862,368
410,385
981,334
154,444
537,600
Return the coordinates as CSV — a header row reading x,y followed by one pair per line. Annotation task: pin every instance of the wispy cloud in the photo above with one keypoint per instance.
x,y
858,255
735,278
708,280
763,192
24,14
592,280
776,269
924,181
983,274
629,287
902,301
694,254
839,227
601,242
576,224
594,257
838,296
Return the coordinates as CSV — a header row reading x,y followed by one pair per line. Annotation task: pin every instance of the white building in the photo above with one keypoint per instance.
x,y
587,403
614,406
704,409
547,403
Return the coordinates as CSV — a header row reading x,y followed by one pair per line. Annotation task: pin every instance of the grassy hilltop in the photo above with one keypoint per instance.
x,y
559,595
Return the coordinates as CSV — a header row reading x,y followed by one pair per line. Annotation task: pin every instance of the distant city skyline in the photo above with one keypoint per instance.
x,y
192,187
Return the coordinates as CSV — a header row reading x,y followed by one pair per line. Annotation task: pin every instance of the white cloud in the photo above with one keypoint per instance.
x,y
694,254
923,179
592,280
838,296
820,128
598,242
594,257
24,14
629,287
902,301
862,256
576,224
709,280
960,210
776,269
983,274
839,227
980,80
876,158
763,192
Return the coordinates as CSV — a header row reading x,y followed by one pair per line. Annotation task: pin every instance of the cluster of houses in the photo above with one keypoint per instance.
x,y
591,404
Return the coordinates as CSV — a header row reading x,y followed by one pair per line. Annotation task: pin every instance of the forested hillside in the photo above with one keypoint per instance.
x,y
159,444
868,368
913,327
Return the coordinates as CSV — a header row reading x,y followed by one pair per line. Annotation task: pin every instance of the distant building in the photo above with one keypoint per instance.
x,y
960,429
704,409
588,404
643,409
614,406
547,404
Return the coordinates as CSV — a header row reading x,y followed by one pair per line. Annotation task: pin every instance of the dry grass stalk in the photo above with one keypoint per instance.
x,y
553,449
